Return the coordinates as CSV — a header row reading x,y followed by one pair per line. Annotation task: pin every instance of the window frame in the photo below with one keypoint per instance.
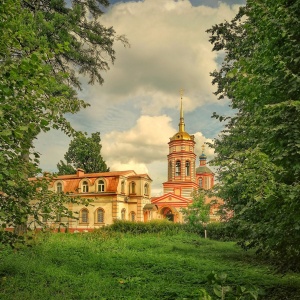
x,y
146,189
187,168
82,219
100,218
59,187
123,214
85,186
132,187
101,186
132,216
123,187
200,182
178,168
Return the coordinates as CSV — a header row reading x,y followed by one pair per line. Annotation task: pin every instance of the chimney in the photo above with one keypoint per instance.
x,y
80,173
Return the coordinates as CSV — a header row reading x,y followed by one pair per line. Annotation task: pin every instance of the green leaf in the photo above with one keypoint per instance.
x,y
5,132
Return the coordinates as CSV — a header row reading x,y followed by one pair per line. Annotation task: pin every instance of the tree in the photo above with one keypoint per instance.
x,y
84,153
258,153
44,45
197,213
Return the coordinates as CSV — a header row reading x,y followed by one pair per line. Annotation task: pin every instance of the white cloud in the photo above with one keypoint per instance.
x,y
144,143
144,148
169,50
201,141
133,109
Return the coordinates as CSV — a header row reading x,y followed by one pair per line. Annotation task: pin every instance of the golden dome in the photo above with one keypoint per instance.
x,y
182,135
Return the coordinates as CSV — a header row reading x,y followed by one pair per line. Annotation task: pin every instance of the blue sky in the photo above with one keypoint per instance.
x,y
136,110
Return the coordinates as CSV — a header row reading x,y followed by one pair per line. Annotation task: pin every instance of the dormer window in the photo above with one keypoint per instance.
x,y
101,186
85,187
59,188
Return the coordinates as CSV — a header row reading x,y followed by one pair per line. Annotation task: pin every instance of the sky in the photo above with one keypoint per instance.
x,y
136,110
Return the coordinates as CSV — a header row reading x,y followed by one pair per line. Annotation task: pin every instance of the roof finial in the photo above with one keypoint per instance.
x,y
203,148
181,92
181,122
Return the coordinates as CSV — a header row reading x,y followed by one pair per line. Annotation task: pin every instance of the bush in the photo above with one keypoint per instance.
x,y
154,226
221,231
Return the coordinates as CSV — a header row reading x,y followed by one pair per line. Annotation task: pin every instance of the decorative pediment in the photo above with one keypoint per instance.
x,y
171,199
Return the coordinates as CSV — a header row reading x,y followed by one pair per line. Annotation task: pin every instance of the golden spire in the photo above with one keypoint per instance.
x,y
181,122
203,148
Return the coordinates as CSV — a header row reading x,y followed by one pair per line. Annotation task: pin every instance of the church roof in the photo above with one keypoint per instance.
x,y
182,135
204,169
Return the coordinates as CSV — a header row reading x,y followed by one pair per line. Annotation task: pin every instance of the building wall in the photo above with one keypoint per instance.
x,y
123,196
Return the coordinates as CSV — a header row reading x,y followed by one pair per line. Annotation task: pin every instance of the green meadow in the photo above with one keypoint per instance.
x,y
115,265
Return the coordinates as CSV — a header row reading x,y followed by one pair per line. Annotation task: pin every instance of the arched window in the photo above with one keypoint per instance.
x,y
178,166
100,186
100,215
123,187
200,182
132,187
84,216
187,168
170,170
123,213
132,216
85,187
146,189
59,188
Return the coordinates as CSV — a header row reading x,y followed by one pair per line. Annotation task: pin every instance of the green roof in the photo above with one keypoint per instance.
x,y
203,169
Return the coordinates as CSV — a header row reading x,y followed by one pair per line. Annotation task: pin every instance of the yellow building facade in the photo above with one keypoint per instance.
x,y
122,195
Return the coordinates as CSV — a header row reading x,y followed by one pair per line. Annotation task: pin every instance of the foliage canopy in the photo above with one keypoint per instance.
x,y
84,153
197,214
44,45
258,153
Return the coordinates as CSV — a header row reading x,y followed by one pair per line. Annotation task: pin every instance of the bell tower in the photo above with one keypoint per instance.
x,y
181,161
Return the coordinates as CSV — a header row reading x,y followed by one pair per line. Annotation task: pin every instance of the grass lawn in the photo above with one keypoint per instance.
x,y
111,265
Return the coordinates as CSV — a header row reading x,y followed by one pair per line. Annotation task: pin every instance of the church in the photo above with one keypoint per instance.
x,y
126,195
183,177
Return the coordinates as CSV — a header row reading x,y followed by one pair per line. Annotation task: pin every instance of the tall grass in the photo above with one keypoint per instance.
x,y
117,264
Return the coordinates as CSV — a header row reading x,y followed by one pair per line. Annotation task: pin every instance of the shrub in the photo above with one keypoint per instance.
x,y
221,231
154,226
